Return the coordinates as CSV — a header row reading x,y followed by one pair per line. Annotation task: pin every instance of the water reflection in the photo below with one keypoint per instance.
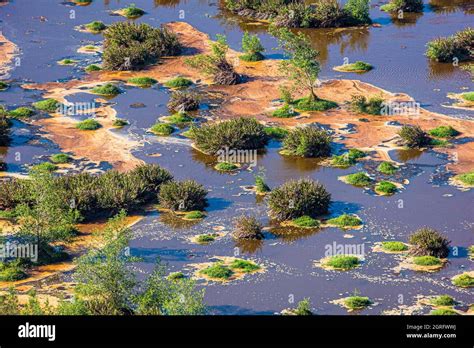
x,y
451,6
406,155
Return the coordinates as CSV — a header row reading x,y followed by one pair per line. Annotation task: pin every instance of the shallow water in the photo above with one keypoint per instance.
x,y
426,200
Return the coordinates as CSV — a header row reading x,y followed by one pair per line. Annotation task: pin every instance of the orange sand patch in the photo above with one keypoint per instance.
x,y
7,52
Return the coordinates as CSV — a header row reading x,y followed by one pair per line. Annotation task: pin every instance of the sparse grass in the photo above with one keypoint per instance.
x,y
60,158
357,302
218,271
67,61
387,168
22,112
358,66
92,67
342,262
443,311
305,221
426,261
286,111
106,90
48,105
119,123
443,300
44,167
195,215
205,238
162,129
244,266
88,125
95,27
306,104
225,166
358,179
463,280
179,118
444,132
142,81
345,220
386,187
469,96
277,133
466,178
178,82
394,246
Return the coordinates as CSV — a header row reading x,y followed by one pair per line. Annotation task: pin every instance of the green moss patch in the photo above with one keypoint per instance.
x,y
426,261
305,221
131,12
60,158
106,90
345,221
358,66
205,238
466,179
44,167
67,61
464,280
342,262
195,215
162,129
386,188
358,179
95,27
226,167
469,96
178,118
306,104
443,300
218,271
22,112
178,82
244,266
142,81
357,302
48,105
92,67
394,246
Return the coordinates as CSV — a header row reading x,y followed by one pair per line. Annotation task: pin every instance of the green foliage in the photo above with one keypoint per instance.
x,y
414,136
307,104
252,47
260,184
142,81
119,122
183,196
286,111
11,271
67,61
394,246
106,90
205,238
226,166
60,158
176,276
244,266
277,133
403,5
22,112
426,261
307,142
132,11
3,86
184,101
345,220
358,66
178,82
131,46
358,11
357,302
444,132
358,179
195,215
96,27
386,187
218,271
305,221
347,159
9,302
469,96
464,281
443,300
92,67
303,307
342,262
247,227
44,167
373,106
162,129
429,242
443,311
88,125
457,46
236,134
48,105
297,198
387,168
466,178
179,118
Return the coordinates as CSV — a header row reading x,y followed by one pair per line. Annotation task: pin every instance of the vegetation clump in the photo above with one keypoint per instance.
x,y
286,111
44,167
95,27
387,168
215,64
386,188
226,167
184,101
303,307
132,12
443,311
178,82
205,238
414,137
21,112
247,227
358,66
179,118
142,81
3,86
60,158
403,5
394,246
195,215
444,132
48,105
11,271
464,280
277,133
357,302
343,262
218,271
176,276
162,129
443,300
347,159
358,179
307,142
426,261
466,178
372,106
236,134
92,67
345,220
119,123
184,196
457,46
429,242
89,124
305,222
106,90
244,266
67,61
469,96
130,46
252,47
297,198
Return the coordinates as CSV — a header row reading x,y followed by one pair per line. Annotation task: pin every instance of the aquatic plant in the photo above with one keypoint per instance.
x,y
261,186
131,46
347,159
444,132
343,262
162,129
179,118
226,166
286,111
247,227
252,47
205,238
403,5
95,27
345,220
387,168
457,47
244,266
21,112
67,61
60,158
195,215
463,280
89,124
443,300
426,261
443,311
429,242
106,90
297,198
414,136
394,246
132,11
235,134
44,167
386,187
142,81
307,142
466,178
92,67
469,96
358,179
218,271
372,106
176,276
357,302
358,66
183,196
48,105
277,133
178,82
119,122
184,101
305,221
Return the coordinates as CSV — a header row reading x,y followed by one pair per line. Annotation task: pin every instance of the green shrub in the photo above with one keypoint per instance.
x,y
106,90
305,221
307,142
247,227
297,198
178,82
3,86
252,47
386,187
463,280
261,185
443,300
286,111
226,166
277,133
306,104
394,246
183,196
141,44
184,101
218,271
444,132
236,134
92,67
195,215
466,178
11,271
176,276
358,179
357,302
426,261
358,11
443,311
48,105
387,168
119,122
403,5
22,112
348,159
372,106
429,242
445,49
414,136
469,96
244,266
67,61
163,129
132,11
60,158
179,118
89,124
357,66
44,167
96,27
345,220
205,238
342,262
142,81
303,308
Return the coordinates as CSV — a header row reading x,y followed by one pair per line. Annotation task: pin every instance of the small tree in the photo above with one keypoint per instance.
x,y
414,136
427,241
359,11
252,47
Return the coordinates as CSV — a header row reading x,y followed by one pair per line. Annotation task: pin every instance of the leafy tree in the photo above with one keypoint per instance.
x,y
252,47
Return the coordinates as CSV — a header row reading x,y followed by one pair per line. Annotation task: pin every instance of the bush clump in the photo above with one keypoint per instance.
x,y
286,111
358,179
357,302
44,167
429,242
205,238
307,142
303,308
403,5
466,178
119,122
244,266
162,129
132,11
443,311
106,90
386,187
387,168
176,276
308,104
11,271
183,196
426,261
247,227
22,112
236,134
463,280
305,221
345,220
178,82
252,47
277,133
469,96
394,246
60,158
358,66
372,106
218,271
348,159
89,124
261,186
414,136
459,46
179,118
443,300
444,132
142,81
184,101
130,46
343,262
92,67
297,198
48,105
95,27
67,61
226,167
195,215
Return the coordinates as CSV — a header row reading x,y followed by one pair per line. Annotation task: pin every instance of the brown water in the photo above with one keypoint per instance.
x,y
396,49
